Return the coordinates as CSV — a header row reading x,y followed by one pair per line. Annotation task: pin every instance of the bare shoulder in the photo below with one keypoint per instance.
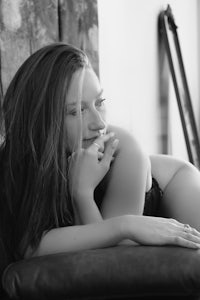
x,y
130,153
128,178
127,141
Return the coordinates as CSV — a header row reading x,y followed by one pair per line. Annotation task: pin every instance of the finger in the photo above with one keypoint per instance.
x,y
100,156
185,228
106,137
180,226
174,223
101,140
191,237
94,149
95,146
190,230
186,231
109,151
195,232
180,241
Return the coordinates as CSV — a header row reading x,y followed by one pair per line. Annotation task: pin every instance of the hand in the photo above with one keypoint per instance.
x,y
87,167
161,231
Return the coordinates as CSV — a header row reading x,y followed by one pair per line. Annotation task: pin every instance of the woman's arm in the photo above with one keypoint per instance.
x,y
128,179
87,168
143,230
80,237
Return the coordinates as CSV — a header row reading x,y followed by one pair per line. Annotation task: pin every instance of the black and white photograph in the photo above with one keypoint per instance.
x,y
99,149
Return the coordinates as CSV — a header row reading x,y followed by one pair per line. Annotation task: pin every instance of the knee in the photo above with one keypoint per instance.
x,y
183,173
187,167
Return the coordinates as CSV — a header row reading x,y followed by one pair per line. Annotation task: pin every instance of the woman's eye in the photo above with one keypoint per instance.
x,y
75,112
100,102
83,109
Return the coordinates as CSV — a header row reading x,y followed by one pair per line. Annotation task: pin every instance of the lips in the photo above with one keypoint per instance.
x,y
87,142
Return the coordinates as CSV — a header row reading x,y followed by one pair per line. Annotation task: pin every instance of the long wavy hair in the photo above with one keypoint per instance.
x,y
33,155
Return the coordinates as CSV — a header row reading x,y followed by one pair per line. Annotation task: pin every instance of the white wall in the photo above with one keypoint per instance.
x,y
129,65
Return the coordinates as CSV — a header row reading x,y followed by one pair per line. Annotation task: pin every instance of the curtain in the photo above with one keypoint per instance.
x,y
27,25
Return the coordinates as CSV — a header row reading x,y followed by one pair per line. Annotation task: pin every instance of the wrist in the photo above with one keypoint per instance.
x,y
121,225
127,226
83,195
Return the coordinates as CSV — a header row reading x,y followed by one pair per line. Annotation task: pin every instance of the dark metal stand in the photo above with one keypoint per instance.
x,y
169,34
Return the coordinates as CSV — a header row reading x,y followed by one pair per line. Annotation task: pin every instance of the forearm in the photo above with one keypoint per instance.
x,y
76,238
140,229
90,214
86,209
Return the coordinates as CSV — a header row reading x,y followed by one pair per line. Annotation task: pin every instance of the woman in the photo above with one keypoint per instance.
x,y
71,182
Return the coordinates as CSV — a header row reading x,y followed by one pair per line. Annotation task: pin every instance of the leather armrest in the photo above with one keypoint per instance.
x,y
124,271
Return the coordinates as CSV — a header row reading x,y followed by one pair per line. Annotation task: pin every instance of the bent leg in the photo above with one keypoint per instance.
x,y
181,187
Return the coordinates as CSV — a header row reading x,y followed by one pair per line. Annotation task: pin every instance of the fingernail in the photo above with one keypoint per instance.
x,y
115,143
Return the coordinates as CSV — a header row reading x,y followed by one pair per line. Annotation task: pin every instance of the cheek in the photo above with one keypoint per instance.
x,y
103,115
72,136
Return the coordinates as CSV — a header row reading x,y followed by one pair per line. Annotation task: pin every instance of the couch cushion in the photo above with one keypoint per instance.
x,y
123,271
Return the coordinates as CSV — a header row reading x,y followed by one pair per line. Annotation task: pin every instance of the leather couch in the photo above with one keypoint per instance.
x,y
123,272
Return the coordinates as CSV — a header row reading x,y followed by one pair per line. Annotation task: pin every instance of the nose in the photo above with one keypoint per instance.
x,y
96,121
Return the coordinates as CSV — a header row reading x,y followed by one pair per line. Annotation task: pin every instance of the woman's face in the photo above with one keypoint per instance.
x,y
92,110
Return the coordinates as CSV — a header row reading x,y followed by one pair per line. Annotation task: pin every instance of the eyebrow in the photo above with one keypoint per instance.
x,y
97,97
